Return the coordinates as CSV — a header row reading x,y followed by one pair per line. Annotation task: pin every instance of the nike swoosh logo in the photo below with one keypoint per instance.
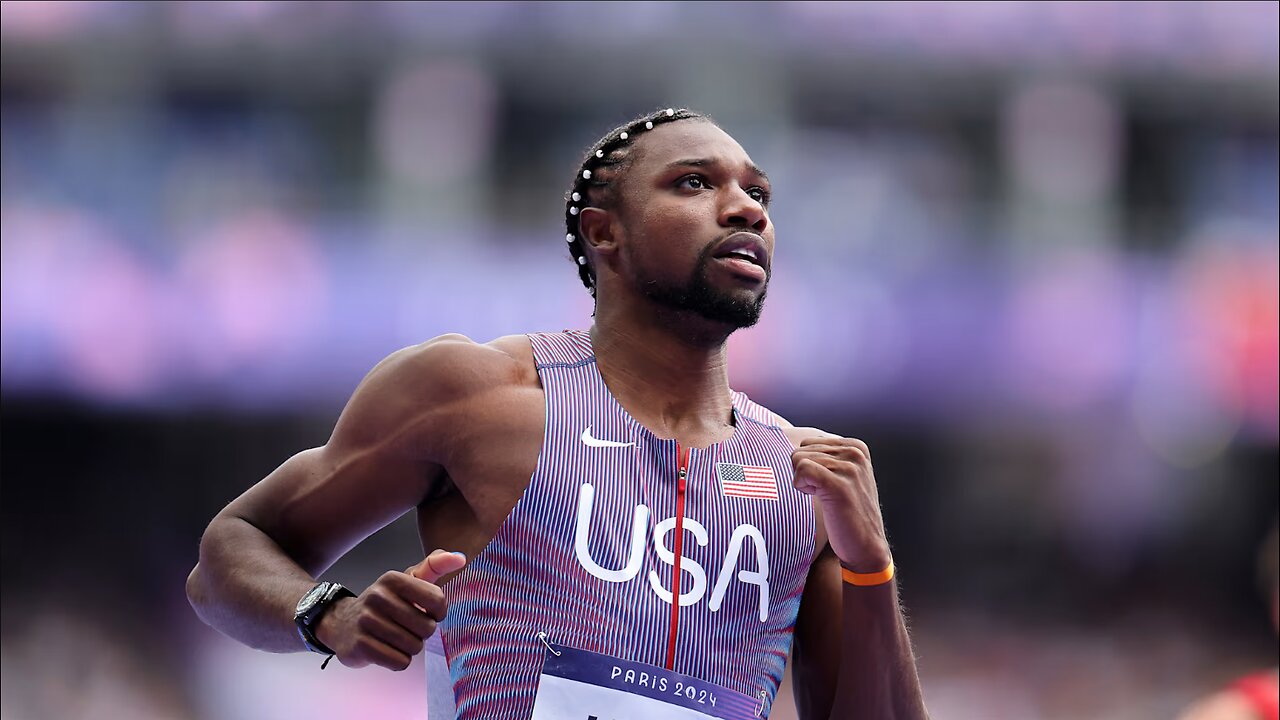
x,y
595,442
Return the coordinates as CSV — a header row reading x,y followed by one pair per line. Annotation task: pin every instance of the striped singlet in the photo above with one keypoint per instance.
x,y
588,554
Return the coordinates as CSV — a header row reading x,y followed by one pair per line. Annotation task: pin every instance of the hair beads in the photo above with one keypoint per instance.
x,y
595,183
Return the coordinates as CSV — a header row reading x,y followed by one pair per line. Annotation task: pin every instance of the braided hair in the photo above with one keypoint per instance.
x,y
595,184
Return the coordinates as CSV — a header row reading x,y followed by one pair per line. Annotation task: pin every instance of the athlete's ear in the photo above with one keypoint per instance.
x,y
598,227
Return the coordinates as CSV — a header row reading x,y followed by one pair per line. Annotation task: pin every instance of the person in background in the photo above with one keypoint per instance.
x,y
1255,696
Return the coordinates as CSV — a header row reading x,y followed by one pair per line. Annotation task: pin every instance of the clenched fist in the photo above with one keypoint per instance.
x,y
388,622
837,471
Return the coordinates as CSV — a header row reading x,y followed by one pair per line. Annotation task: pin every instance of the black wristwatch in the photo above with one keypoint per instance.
x,y
311,608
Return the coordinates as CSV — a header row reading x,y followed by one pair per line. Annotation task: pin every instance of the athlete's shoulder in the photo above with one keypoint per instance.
x,y
429,386
755,411
797,435
453,365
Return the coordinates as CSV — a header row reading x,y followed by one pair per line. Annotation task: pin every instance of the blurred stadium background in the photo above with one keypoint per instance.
x,y
1028,251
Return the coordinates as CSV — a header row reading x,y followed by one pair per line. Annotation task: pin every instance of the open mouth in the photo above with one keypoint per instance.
x,y
744,254
744,268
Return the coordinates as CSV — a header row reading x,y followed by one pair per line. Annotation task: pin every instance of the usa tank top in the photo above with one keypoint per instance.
x,y
630,545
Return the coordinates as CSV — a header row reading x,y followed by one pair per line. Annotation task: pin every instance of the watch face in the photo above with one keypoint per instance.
x,y
311,597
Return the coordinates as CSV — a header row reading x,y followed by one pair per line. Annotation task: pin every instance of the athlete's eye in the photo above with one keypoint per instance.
x,y
693,182
759,194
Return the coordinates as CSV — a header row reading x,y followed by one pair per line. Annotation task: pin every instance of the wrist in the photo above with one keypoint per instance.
x,y
312,609
327,628
871,559
871,579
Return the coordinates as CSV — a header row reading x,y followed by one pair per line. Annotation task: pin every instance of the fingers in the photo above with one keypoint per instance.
x,y
820,468
413,600
838,460
438,564
812,474
419,617
847,448
387,624
369,650
410,591
392,635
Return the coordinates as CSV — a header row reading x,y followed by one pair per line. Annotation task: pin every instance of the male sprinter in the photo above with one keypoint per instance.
x,y
625,528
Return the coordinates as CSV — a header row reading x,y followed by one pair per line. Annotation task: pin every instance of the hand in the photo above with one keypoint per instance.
x,y
387,624
837,471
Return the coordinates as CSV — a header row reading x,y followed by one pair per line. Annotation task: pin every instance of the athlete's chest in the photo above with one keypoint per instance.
x,y
495,445
597,464
714,503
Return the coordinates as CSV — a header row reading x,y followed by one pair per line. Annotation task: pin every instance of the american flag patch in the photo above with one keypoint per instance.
x,y
747,481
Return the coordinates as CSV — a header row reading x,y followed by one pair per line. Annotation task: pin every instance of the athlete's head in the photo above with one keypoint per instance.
x,y
670,208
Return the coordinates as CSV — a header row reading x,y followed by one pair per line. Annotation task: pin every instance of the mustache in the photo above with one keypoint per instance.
x,y
730,233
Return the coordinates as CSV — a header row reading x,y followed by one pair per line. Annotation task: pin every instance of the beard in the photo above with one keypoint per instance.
x,y
699,296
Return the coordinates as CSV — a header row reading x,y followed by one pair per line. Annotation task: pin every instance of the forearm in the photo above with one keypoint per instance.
x,y
245,586
877,677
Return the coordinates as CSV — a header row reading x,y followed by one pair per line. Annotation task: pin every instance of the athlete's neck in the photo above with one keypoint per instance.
x,y
674,382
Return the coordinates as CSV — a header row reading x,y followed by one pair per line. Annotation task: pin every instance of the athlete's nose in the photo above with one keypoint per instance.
x,y
742,210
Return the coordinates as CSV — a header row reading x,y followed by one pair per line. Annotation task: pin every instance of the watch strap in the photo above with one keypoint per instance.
x,y
307,620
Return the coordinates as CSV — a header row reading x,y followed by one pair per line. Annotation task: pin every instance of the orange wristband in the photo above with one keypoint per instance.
x,y
867,579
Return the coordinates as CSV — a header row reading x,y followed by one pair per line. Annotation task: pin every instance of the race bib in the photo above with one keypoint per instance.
x,y
583,685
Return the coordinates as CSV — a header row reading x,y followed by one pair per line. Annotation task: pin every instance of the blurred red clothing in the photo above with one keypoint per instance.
x,y
1262,690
